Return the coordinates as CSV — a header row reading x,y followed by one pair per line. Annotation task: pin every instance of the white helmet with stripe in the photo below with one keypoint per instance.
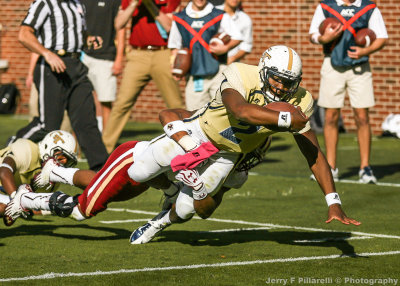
x,y
280,73
59,142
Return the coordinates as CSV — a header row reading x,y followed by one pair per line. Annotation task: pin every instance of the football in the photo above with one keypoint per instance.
x,y
222,38
365,37
182,62
280,106
326,22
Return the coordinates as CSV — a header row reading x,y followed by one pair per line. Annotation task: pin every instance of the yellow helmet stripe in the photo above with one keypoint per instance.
x,y
290,62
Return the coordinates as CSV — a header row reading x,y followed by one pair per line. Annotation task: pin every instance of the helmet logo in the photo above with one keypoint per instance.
x,y
58,138
266,55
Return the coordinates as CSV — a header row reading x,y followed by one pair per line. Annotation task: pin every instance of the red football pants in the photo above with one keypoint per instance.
x,y
112,182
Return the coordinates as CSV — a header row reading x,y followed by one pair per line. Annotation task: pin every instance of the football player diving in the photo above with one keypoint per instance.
x,y
235,123
22,160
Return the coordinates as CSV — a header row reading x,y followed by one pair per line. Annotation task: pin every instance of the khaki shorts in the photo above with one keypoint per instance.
x,y
335,82
197,99
100,75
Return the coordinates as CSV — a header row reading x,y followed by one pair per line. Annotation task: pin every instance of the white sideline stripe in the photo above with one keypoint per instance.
x,y
342,181
194,266
265,225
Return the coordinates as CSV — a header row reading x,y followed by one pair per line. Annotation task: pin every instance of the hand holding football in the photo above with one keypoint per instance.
x,y
298,118
182,63
364,37
331,20
220,38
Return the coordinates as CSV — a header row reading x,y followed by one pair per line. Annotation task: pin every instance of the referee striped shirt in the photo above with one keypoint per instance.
x,y
58,24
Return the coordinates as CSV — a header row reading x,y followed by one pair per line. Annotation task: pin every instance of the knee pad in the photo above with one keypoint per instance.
x,y
62,204
138,172
184,206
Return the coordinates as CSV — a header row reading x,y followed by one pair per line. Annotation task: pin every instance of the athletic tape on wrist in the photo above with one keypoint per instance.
x,y
332,198
187,143
200,194
174,127
285,119
5,165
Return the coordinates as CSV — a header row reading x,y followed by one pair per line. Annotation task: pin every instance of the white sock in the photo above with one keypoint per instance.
x,y
36,201
165,219
76,214
63,175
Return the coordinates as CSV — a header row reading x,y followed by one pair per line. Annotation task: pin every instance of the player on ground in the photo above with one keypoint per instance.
x,y
22,160
110,184
236,122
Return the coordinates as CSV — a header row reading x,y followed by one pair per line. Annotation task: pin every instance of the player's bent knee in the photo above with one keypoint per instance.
x,y
138,172
184,207
62,204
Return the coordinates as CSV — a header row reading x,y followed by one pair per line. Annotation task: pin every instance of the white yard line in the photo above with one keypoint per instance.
x,y
124,221
327,239
344,181
269,225
193,266
378,183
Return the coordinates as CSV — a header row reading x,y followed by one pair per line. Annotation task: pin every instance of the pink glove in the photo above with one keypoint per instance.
x,y
193,158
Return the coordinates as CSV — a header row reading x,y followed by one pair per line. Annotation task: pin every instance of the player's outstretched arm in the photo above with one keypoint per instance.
x,y
318,164
7,170
54,172
258,115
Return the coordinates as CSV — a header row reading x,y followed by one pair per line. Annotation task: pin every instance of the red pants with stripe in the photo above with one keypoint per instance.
x,y
112,182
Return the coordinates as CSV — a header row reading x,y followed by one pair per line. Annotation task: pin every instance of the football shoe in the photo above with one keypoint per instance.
x,y
148,231
367,176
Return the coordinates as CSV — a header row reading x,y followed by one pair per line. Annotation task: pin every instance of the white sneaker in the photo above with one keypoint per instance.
x,y
148,231
14,209
335,175
42,180
367,176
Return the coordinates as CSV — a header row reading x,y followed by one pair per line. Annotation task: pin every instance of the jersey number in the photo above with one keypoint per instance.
x,y
231,132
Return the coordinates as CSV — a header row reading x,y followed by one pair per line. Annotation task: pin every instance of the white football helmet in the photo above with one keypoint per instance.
x,y
283,65
59,140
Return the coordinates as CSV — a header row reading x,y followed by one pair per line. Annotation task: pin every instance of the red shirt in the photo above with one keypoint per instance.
x,y
144,31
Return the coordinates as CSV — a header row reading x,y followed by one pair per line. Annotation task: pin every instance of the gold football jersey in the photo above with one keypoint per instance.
x,y
224,130
27,159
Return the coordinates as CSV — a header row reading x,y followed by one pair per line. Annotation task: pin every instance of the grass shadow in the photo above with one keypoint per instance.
x,y
298,238
50,230
380,171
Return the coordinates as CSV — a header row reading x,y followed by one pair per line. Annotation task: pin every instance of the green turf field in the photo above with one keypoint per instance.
x,y
270,232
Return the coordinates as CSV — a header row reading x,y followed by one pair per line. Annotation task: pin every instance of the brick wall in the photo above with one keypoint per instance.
x,y
275,22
